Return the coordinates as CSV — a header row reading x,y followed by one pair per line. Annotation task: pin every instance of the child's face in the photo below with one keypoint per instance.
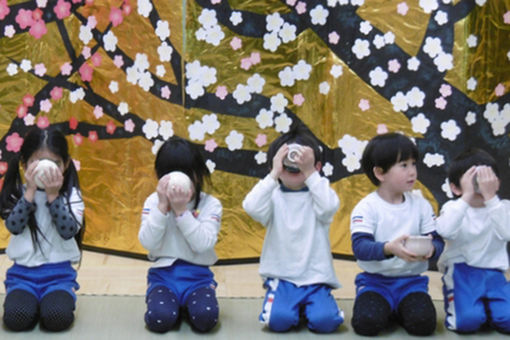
x,y
293,180
400,177
46,154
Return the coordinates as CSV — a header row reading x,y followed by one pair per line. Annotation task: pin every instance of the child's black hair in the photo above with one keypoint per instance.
x,y
300,134
177,154
467,159
36,139
386,150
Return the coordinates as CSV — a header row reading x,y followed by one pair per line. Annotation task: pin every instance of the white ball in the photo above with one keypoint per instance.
x,y
43,168
179,179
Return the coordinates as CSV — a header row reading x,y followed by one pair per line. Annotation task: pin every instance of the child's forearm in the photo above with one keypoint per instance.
x,y
18,218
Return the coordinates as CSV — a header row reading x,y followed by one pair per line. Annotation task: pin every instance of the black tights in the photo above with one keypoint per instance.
x,y
372,313
22,310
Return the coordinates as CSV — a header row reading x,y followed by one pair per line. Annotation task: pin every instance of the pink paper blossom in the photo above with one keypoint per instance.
x,y
93,136
22,111
214,2
165,92
28,100
3,167
62,9
24,18
91,22
506,18
210,145
381,128
333,38
45,105
40,70
77,164
291,2
38,29
118,61
440,103
37,14
126,8
14,142
364,104
393,65
85,52
246,63
98,111
298,99
110,127
402,8
255,58
29,119
73,123
96,59
56,93
66,69
499,90
86,72
445,90
221,92
129,125
116,17
236,43
261,140
43,122
301,7
4,9
78,139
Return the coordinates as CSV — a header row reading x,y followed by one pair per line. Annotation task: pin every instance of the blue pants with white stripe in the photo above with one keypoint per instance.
x,y
285,303
474,297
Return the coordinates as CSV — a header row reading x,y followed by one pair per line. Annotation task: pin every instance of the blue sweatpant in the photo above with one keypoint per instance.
x,y
181,285
474,297
285,301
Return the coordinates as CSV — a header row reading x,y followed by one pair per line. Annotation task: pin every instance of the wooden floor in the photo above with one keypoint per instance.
x,y
102,274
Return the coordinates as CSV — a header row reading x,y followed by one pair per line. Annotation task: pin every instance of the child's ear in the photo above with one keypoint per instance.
x,y
455,190
378,173
318,166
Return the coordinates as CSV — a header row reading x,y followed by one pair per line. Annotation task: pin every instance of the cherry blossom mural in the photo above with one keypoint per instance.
x,y
120,77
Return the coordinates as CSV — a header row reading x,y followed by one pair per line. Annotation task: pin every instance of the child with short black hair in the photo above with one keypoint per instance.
x,y
180,228
296,205
45,218
391,284
476,227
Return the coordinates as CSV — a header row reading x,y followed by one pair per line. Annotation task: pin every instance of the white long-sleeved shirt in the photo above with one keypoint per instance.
x,y
190,237
296,246
475,236
52,246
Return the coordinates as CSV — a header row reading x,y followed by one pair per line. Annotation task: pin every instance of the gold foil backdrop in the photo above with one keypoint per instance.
x,y
119,77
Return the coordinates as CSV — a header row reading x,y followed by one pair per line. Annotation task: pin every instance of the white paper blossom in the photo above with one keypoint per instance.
x,y
420,123
9,31
264,118
282,123
210,165
207,18
302,70
150,129
236,18
165,52
470,118
415,97
288,32
471,84
351,162
333,3
114,86
353,150
110,41
357,2
146,81
433,159
286,76
491,112
324,88
399,101
450,130
413,64
160,71
432,47
166,129
379,41
144,8
25,65
444,62
123,108
327,169
271,41
365,27
211,123
234,140
162,30
12,69
278,103
336,71
480,2
389,38
441,18
242,94
85,34
378,77
76,95
447,189
472,40
428,5
319,15
195,89
196,130
361,48
208,75
156,146
261,157
215,35
132,75
274,22
256,83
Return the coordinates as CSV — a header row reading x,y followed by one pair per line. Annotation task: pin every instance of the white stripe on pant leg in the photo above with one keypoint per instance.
x,y
268,305
451,316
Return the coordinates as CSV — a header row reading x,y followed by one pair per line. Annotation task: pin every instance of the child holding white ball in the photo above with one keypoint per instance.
x,y
476,227
391,285
180,225
46,225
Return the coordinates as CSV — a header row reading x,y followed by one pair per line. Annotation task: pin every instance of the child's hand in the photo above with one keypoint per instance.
x,y
52,180
163,202
488,182
30,181
179,198
397,248
278,161
467,185
306,160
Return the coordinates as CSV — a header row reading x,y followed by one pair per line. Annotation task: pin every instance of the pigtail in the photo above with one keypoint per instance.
x,y
70,183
